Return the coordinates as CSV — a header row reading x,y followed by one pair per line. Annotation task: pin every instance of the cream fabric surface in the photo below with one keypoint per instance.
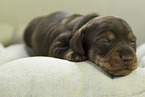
x,y
141,55
51,77
11,53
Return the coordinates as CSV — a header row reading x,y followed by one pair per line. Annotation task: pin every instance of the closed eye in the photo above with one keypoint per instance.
x,y
106,37
133,41
103,41
132,38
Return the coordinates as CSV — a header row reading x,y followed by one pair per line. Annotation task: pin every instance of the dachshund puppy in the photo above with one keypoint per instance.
x,y
105,40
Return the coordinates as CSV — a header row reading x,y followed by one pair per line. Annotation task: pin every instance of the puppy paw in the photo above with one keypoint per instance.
x,y
72,56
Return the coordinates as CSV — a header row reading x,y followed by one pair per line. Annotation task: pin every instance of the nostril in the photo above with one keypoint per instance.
x,y
127,60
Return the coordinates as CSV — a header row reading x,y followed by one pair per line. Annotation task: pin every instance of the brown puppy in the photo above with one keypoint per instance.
x,y
105,40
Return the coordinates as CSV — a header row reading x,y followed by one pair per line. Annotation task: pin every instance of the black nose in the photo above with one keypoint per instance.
x,y
127,59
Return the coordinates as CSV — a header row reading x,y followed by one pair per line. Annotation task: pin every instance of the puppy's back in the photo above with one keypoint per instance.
x,y
53,19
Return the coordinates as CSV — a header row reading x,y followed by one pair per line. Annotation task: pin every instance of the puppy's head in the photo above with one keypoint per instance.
x,y
109,42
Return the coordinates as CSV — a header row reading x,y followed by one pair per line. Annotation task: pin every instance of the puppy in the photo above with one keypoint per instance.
x,y
105,40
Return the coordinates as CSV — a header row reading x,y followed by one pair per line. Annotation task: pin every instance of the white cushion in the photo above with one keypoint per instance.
x,y
140,52
12,52
50,77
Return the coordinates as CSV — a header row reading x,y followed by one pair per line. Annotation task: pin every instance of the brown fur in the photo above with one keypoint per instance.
x,y
105,40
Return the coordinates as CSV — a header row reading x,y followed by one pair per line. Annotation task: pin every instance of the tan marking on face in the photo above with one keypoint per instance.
x,y
130,36
111,36
135,61
115,65
92,57
90,54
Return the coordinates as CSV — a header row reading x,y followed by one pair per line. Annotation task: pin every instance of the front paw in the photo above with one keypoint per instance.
x,y
72,56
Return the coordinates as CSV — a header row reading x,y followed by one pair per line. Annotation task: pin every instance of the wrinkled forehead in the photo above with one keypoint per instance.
x,y
114,36
113,24
110,26
109,23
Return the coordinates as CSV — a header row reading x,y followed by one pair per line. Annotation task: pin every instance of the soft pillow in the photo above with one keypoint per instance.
x,y
140,53
50,77
1,48
11,53
142,62
6,33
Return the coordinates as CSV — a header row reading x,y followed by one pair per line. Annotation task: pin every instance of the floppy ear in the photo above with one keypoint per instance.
x,y
76,41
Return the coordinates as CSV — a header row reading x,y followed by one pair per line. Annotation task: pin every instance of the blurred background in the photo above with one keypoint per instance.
x,y
18,13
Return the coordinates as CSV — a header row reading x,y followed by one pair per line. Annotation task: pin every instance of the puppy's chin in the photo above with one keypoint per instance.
x,y
122,71
115,66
